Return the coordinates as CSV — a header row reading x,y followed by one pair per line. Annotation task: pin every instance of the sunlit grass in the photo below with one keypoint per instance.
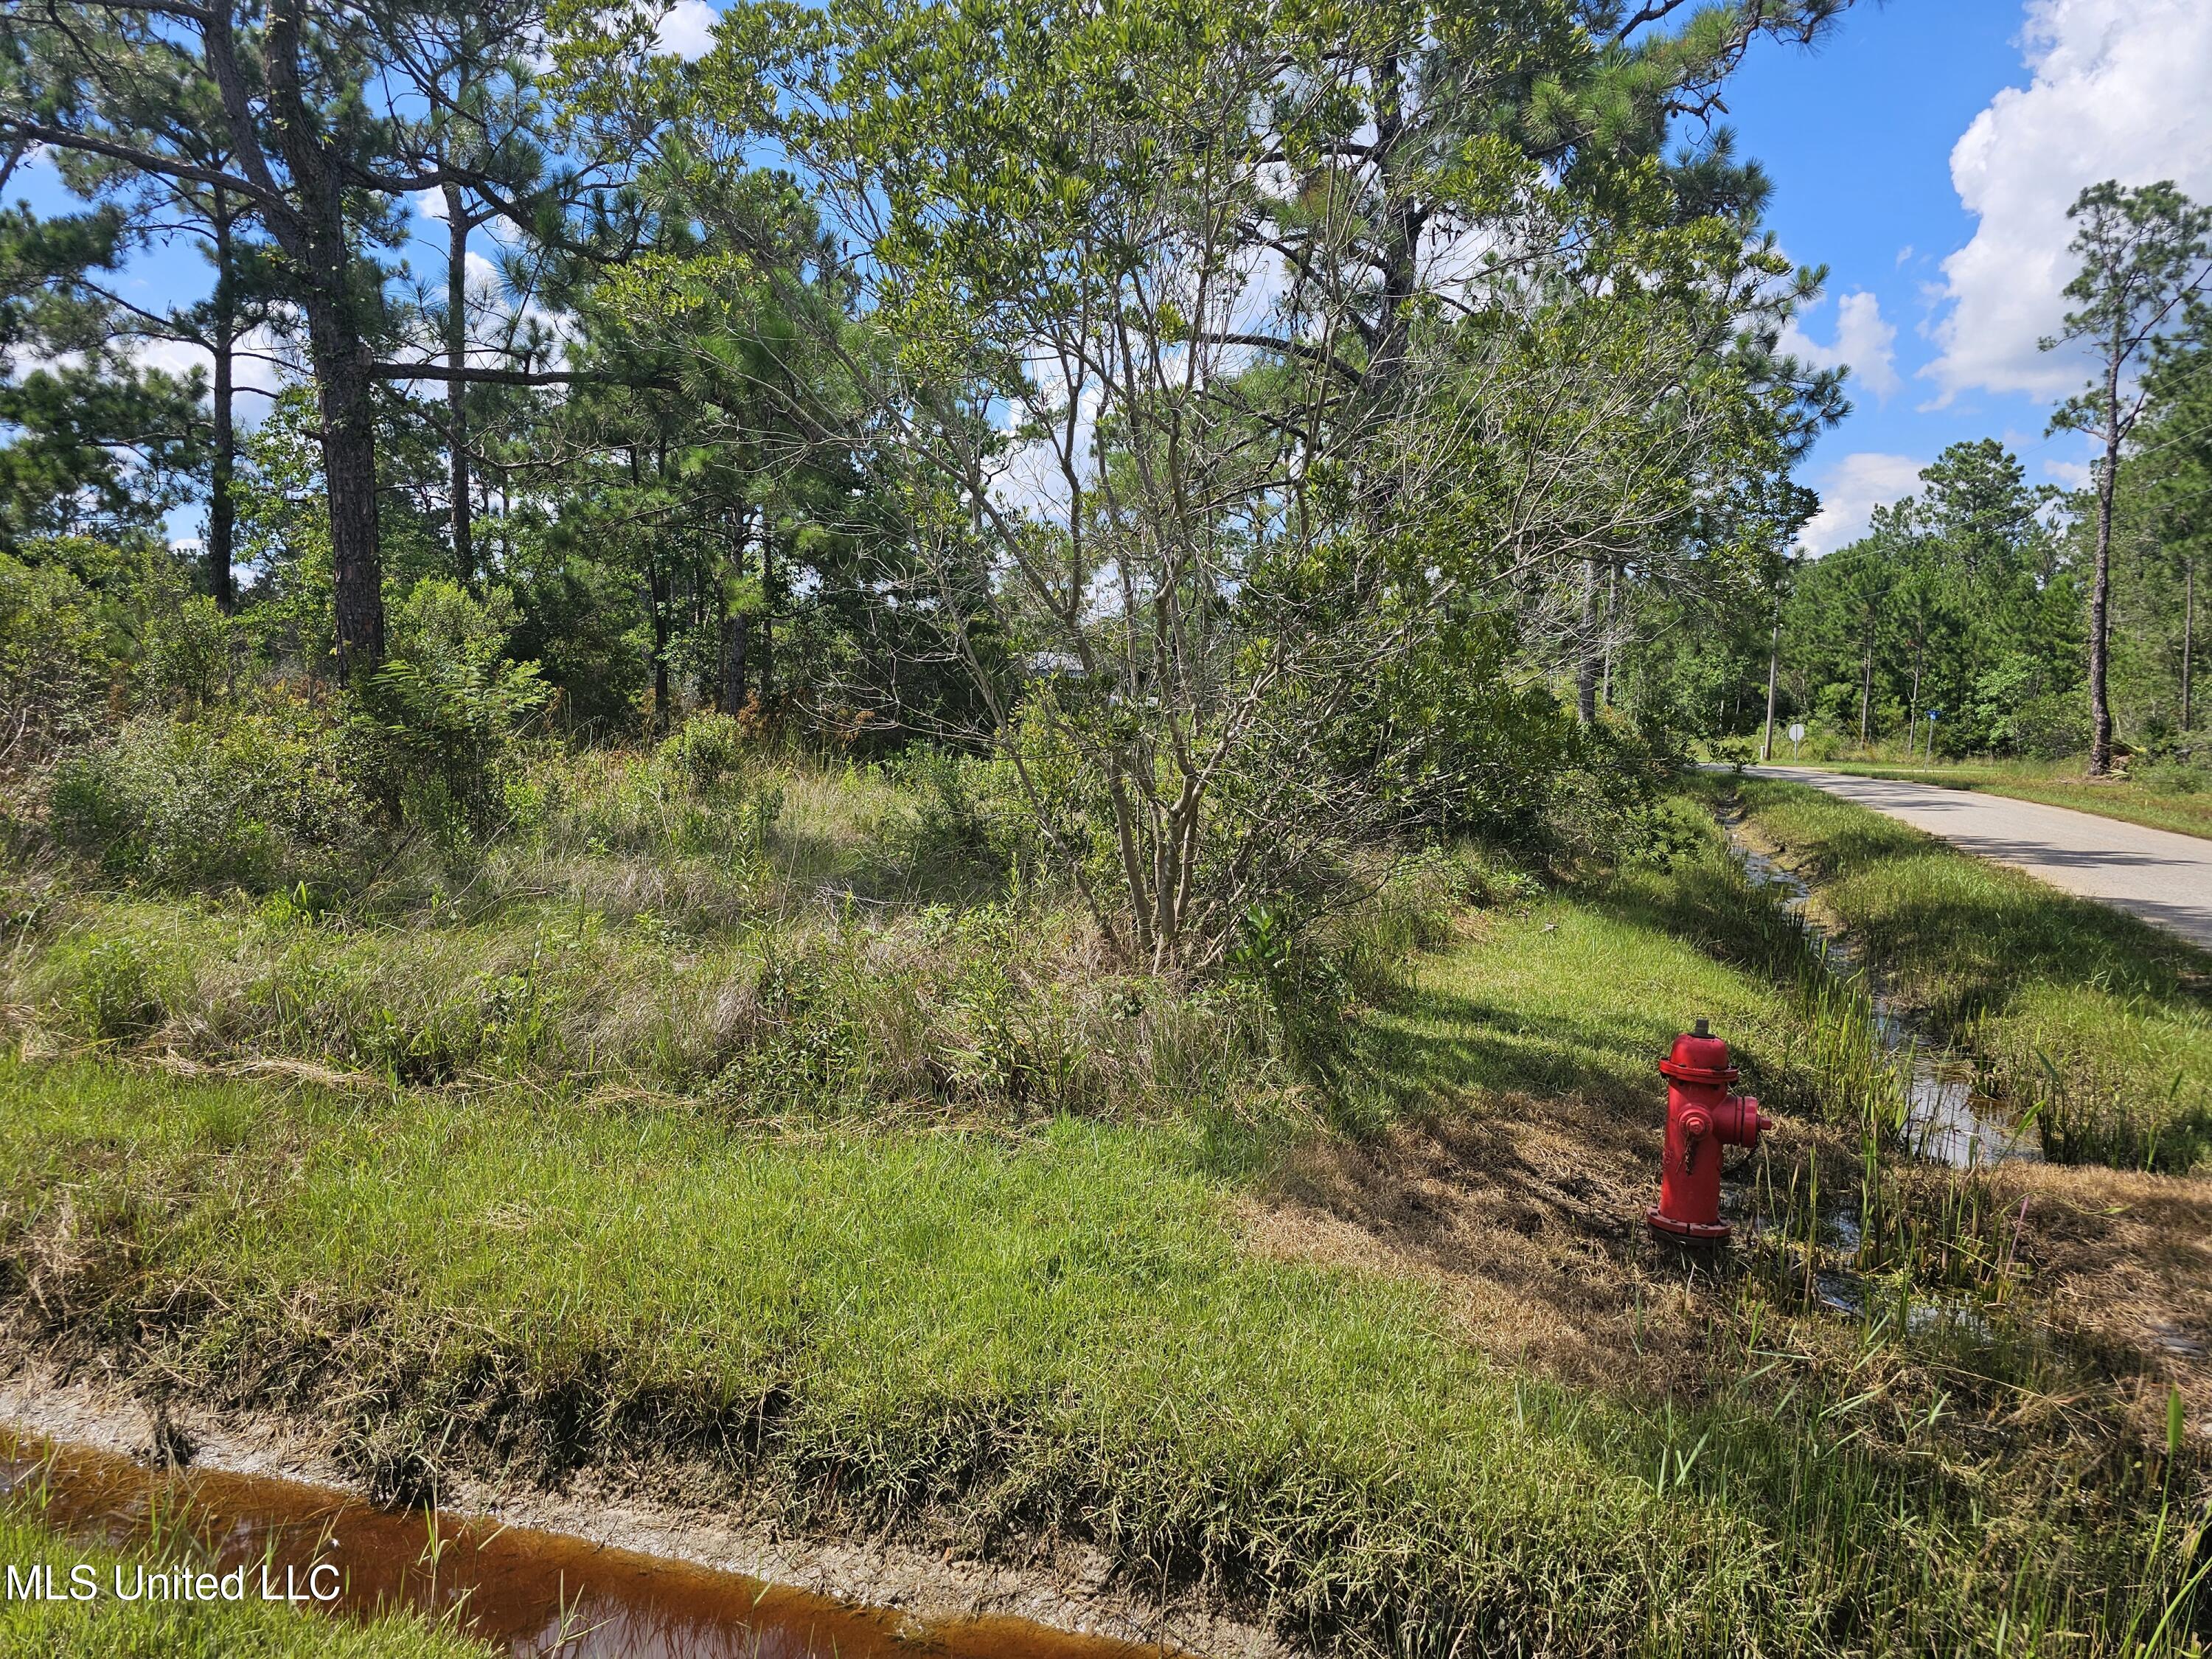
x,y
2096,1023
1062,1330
2154,804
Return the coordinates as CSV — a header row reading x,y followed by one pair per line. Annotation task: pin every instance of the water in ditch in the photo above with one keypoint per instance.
x,y
1947,1120
529,1592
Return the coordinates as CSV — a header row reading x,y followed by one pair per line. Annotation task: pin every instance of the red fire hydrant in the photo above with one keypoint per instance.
x,y
1702,1117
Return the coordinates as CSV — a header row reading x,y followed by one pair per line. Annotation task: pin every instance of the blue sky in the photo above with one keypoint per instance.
x,y
1926,154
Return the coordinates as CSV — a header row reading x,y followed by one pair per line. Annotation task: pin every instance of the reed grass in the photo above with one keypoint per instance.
x,y
252,1628
2092,1024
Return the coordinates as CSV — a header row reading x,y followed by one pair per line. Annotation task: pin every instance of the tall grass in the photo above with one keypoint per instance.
x,y
1057,1333
2090,1022
776,936
107,1628
1827,1059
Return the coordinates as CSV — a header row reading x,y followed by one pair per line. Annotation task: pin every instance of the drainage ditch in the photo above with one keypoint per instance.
x,y
528,1592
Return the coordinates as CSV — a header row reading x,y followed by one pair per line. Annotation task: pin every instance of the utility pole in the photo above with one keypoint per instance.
x,y
1773,661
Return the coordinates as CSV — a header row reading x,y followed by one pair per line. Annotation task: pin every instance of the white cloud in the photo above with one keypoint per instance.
x,y
1865,344
1850,489
2118,92
687,29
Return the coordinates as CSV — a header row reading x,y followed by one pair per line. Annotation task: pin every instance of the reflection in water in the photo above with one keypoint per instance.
x,y
1947,1121
533,1593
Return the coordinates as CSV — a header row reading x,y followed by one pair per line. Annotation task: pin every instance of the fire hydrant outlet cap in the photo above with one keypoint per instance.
x,y
1697,1121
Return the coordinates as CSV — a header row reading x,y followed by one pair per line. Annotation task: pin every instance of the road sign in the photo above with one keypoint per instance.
x,y
1797,732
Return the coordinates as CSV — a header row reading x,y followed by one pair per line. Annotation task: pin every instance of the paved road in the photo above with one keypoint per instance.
x,y
2164,877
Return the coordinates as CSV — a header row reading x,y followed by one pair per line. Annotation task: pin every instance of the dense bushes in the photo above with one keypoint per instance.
x,y
439,723
256,801
55,663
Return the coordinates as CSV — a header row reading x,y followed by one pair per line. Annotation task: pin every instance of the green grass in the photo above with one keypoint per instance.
x,y
1580,993
902,1208
109,1629
2094,1023
2060,783
1062,1330
848,957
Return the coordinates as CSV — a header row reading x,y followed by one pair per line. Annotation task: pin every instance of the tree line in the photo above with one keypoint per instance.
x,y
1259,429
1982,616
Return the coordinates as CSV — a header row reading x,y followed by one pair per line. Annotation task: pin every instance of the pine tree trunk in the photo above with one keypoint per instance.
x,y
2100,591
1866,693
656,606
2188,640
456,408
1773,667
348,436
736,637
314,237
767,612
222,508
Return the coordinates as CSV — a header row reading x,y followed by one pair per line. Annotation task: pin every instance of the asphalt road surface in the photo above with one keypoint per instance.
x,y
2164,877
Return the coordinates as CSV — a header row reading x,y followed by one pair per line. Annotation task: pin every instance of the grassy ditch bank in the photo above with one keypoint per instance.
x,y
1421,1384
2096,1025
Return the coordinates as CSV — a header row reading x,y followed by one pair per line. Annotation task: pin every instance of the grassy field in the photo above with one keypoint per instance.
x,y
2096,1023
109,1629
1418,1382
2175,802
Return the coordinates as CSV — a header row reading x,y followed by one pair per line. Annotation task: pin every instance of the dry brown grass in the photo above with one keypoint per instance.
x,y
1527,1216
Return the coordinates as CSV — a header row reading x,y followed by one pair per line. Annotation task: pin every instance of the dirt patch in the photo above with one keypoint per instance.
x,y
1526,1218
1063,1585
2125,1259
1529,1218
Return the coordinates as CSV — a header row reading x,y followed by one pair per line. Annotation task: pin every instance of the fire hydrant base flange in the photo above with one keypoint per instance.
x,y
1702,1231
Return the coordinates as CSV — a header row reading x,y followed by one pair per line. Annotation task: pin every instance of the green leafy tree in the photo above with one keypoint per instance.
x,y
2143,259
329,120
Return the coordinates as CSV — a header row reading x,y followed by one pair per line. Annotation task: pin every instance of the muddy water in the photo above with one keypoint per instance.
x,y
1947,1120
532,1593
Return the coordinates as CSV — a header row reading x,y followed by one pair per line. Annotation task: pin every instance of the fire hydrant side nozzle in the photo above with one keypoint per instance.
x,y
1702,1116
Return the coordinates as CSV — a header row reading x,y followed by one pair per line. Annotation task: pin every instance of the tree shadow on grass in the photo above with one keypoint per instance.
x,y
1432,1047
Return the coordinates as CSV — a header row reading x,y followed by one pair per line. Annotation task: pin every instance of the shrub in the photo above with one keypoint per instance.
x,y
55,663
705,751
121,989
257,801
187,654
2174,777
438,730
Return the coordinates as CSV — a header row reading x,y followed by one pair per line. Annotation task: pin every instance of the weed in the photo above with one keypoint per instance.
x,y
2092,1024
